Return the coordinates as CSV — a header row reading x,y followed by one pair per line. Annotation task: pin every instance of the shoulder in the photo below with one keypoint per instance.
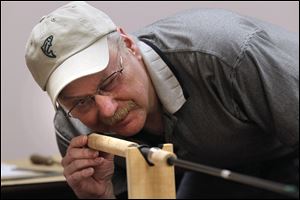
x,y
216,32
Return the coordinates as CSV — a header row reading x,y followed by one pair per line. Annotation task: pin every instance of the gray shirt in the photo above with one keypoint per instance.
x,y
240,77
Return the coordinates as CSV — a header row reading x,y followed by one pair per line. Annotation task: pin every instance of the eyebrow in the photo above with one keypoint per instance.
x,y
66,97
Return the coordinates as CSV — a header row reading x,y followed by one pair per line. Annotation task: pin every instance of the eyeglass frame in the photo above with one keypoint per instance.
x,y
99,89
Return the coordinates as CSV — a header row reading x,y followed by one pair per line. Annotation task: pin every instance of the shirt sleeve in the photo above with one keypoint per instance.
x,y
265,84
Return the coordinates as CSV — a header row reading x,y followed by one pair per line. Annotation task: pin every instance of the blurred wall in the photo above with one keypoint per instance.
x,y
26,111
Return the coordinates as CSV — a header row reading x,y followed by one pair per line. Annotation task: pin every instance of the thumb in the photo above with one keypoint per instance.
x,y
106,156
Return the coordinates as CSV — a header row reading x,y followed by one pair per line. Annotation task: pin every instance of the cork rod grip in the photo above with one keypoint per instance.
x,y
159,157
109,144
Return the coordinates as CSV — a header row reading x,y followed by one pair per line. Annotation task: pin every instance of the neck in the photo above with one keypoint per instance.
x,y
154,123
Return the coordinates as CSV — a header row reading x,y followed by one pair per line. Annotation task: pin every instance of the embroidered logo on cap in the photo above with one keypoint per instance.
x,y
46,47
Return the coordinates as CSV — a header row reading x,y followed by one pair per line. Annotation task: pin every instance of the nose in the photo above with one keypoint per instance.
x,y
106,105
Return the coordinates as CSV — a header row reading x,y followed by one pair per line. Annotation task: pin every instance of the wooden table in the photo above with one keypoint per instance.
x,y
48,185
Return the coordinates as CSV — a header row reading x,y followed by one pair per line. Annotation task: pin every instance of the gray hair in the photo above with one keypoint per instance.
x,y
115,41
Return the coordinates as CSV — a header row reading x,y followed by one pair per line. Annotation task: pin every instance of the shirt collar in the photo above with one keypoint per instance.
x,y
165,83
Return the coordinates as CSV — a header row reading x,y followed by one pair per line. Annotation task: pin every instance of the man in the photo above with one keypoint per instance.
x,y
223,88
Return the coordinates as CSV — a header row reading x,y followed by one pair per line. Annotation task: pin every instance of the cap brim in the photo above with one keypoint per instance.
x,y
88,61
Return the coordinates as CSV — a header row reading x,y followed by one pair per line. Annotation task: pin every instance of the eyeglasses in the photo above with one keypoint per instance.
x,y
84,105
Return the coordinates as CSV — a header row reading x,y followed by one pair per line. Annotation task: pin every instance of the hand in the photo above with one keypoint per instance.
x,y
88,172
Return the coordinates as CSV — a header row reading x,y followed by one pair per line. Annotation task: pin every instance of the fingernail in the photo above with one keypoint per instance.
x,y
99,160
84,139
88,172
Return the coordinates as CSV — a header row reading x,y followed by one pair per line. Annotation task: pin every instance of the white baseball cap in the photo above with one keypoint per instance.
x,y
69,43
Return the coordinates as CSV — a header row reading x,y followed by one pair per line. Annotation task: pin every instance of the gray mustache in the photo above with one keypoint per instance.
x,y
120,114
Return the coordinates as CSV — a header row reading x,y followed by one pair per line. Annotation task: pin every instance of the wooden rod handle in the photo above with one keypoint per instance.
x,y
109,144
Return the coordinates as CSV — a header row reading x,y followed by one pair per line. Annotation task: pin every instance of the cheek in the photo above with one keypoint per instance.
x,y
136,84
139,94
90,121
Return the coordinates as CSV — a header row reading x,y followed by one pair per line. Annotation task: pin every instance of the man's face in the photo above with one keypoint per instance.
x,y
125,102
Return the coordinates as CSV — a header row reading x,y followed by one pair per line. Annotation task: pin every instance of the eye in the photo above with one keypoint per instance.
x,y
81,106
83,103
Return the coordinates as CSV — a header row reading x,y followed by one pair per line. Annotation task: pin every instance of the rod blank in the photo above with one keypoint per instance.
x,y
285,189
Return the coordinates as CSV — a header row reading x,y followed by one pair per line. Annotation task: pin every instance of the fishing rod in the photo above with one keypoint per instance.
x,y
157,156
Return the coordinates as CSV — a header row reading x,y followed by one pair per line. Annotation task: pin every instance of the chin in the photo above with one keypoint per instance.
x,y
130,129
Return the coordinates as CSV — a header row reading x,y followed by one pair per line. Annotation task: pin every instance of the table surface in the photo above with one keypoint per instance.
x,y
52,185
53,173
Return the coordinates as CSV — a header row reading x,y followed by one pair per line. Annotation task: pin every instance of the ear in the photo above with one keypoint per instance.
x,y
129,42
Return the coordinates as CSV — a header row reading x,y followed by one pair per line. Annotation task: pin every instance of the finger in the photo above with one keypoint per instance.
x,y
78,153
75,179
79,141
104,170
107,156
81,164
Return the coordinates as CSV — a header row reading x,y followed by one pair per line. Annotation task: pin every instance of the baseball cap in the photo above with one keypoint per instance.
x,y
68,43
